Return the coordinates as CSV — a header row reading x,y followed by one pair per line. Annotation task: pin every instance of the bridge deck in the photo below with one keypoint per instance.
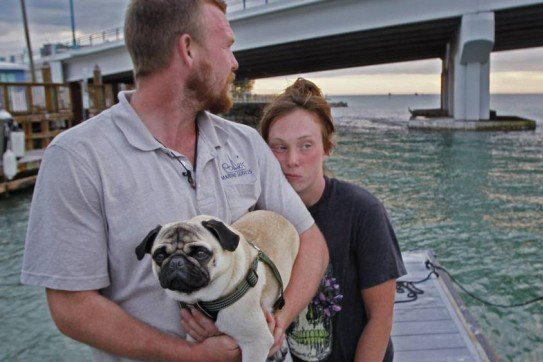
x,y
437,326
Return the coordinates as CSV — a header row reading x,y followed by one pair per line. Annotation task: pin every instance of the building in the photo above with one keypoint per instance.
x,y
12,72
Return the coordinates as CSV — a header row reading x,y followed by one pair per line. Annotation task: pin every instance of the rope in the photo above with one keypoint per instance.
x,y
433,267
413,292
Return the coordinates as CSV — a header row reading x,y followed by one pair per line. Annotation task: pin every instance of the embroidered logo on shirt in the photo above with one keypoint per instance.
x,y
233,169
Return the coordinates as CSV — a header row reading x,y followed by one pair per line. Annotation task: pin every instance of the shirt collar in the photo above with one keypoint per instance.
x,y
130,124
211,130
139,136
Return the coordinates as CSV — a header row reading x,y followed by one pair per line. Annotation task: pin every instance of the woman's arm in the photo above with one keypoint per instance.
x,y
379,306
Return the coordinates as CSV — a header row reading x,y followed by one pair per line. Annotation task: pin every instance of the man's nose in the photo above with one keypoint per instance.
x,y
235,64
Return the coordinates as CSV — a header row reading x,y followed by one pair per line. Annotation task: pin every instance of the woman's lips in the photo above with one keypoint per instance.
x,y
292,177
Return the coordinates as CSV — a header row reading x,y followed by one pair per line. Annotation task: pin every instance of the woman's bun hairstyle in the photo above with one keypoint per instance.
x,y
306,95
304,89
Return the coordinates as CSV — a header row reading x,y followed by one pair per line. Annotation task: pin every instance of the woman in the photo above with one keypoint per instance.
x,y
352,322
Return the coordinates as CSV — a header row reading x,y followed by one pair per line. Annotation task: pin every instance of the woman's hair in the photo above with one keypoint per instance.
x,y
303,94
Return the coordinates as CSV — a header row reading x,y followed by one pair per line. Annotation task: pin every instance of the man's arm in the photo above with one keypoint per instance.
x,y
307,272
90,318
379,305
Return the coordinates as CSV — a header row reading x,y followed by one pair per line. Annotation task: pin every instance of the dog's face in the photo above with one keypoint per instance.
x,y
188,256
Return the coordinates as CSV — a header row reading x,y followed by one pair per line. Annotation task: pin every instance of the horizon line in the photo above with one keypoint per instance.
x,y
420,94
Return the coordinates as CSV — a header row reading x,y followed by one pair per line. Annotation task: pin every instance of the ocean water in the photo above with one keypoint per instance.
x,y
476,199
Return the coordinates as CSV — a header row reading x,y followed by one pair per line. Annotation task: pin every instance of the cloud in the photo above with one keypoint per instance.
x,y
359,84
530,59
50,21
430,66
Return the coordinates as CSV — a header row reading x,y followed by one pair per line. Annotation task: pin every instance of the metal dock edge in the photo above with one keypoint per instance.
x,y
437,327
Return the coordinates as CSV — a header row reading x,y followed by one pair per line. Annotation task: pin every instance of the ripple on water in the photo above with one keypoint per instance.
x,y
476,200
26,330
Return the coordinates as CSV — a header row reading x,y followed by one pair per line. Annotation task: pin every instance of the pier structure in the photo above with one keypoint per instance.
x,y
281,37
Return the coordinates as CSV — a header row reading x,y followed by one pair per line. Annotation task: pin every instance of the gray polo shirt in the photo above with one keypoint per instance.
x,y
104,184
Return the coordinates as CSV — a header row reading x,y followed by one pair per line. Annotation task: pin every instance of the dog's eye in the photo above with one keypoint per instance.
x,y
200,253
159,257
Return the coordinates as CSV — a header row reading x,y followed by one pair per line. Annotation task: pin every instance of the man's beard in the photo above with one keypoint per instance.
x,y
201,86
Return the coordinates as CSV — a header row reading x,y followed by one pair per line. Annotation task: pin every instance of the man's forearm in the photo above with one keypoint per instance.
x,y
309,267
92,319
373,342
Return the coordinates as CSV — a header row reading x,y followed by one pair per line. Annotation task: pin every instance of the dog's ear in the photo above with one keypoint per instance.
x,y
227,238
147,244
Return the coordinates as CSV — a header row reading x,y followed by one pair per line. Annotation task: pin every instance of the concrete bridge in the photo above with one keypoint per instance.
x,y
292,36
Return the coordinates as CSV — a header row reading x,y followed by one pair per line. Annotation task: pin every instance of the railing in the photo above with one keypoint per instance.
x,y
254,98
42,109
236,5
101,37
116,34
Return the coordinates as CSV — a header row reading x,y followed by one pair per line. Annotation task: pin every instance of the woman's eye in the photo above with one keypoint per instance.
x,y
278,148
307,146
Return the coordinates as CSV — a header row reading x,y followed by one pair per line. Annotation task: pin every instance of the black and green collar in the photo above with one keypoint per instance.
x,y
211,309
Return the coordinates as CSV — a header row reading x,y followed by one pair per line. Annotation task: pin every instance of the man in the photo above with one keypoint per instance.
x,y
154,158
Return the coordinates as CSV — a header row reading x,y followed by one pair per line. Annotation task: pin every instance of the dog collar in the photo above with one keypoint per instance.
x,y
211,309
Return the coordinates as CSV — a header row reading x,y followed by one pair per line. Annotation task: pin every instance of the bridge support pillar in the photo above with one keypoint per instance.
x,y
466,69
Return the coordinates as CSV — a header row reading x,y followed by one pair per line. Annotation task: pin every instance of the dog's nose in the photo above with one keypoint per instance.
x,y
176,268
177,262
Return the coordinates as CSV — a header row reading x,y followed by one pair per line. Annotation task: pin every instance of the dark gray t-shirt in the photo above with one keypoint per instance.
x,y
364,252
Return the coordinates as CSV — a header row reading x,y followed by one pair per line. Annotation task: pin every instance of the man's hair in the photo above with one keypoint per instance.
x,y
152,28
306,95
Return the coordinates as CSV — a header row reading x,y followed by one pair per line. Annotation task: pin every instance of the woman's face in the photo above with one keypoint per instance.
x,y
296,141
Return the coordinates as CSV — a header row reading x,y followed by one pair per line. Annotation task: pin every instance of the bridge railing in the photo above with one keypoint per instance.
x,y
117,33
236,5
97,38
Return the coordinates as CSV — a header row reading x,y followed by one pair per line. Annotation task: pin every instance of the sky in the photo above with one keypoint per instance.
x,y
519,71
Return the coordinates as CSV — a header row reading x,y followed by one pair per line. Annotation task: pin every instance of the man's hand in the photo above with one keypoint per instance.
x,y
220,349
197,325
202,329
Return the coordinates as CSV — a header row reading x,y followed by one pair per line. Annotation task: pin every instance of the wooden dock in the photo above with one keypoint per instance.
x,y
27,167
437,326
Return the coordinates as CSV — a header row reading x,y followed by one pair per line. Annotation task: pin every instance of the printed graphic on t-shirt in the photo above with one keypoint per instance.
x,y
311,334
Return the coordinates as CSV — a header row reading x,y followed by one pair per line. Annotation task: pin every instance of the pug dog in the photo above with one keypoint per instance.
x,y
203,259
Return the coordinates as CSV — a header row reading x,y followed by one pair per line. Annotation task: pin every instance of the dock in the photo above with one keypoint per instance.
x,y
27,167
437,326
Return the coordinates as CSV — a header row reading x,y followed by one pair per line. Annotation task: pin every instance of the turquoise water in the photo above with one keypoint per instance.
x,y
476,199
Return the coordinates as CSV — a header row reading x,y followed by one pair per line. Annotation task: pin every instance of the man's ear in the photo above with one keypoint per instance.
x,y
147,243
186,49
227,238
